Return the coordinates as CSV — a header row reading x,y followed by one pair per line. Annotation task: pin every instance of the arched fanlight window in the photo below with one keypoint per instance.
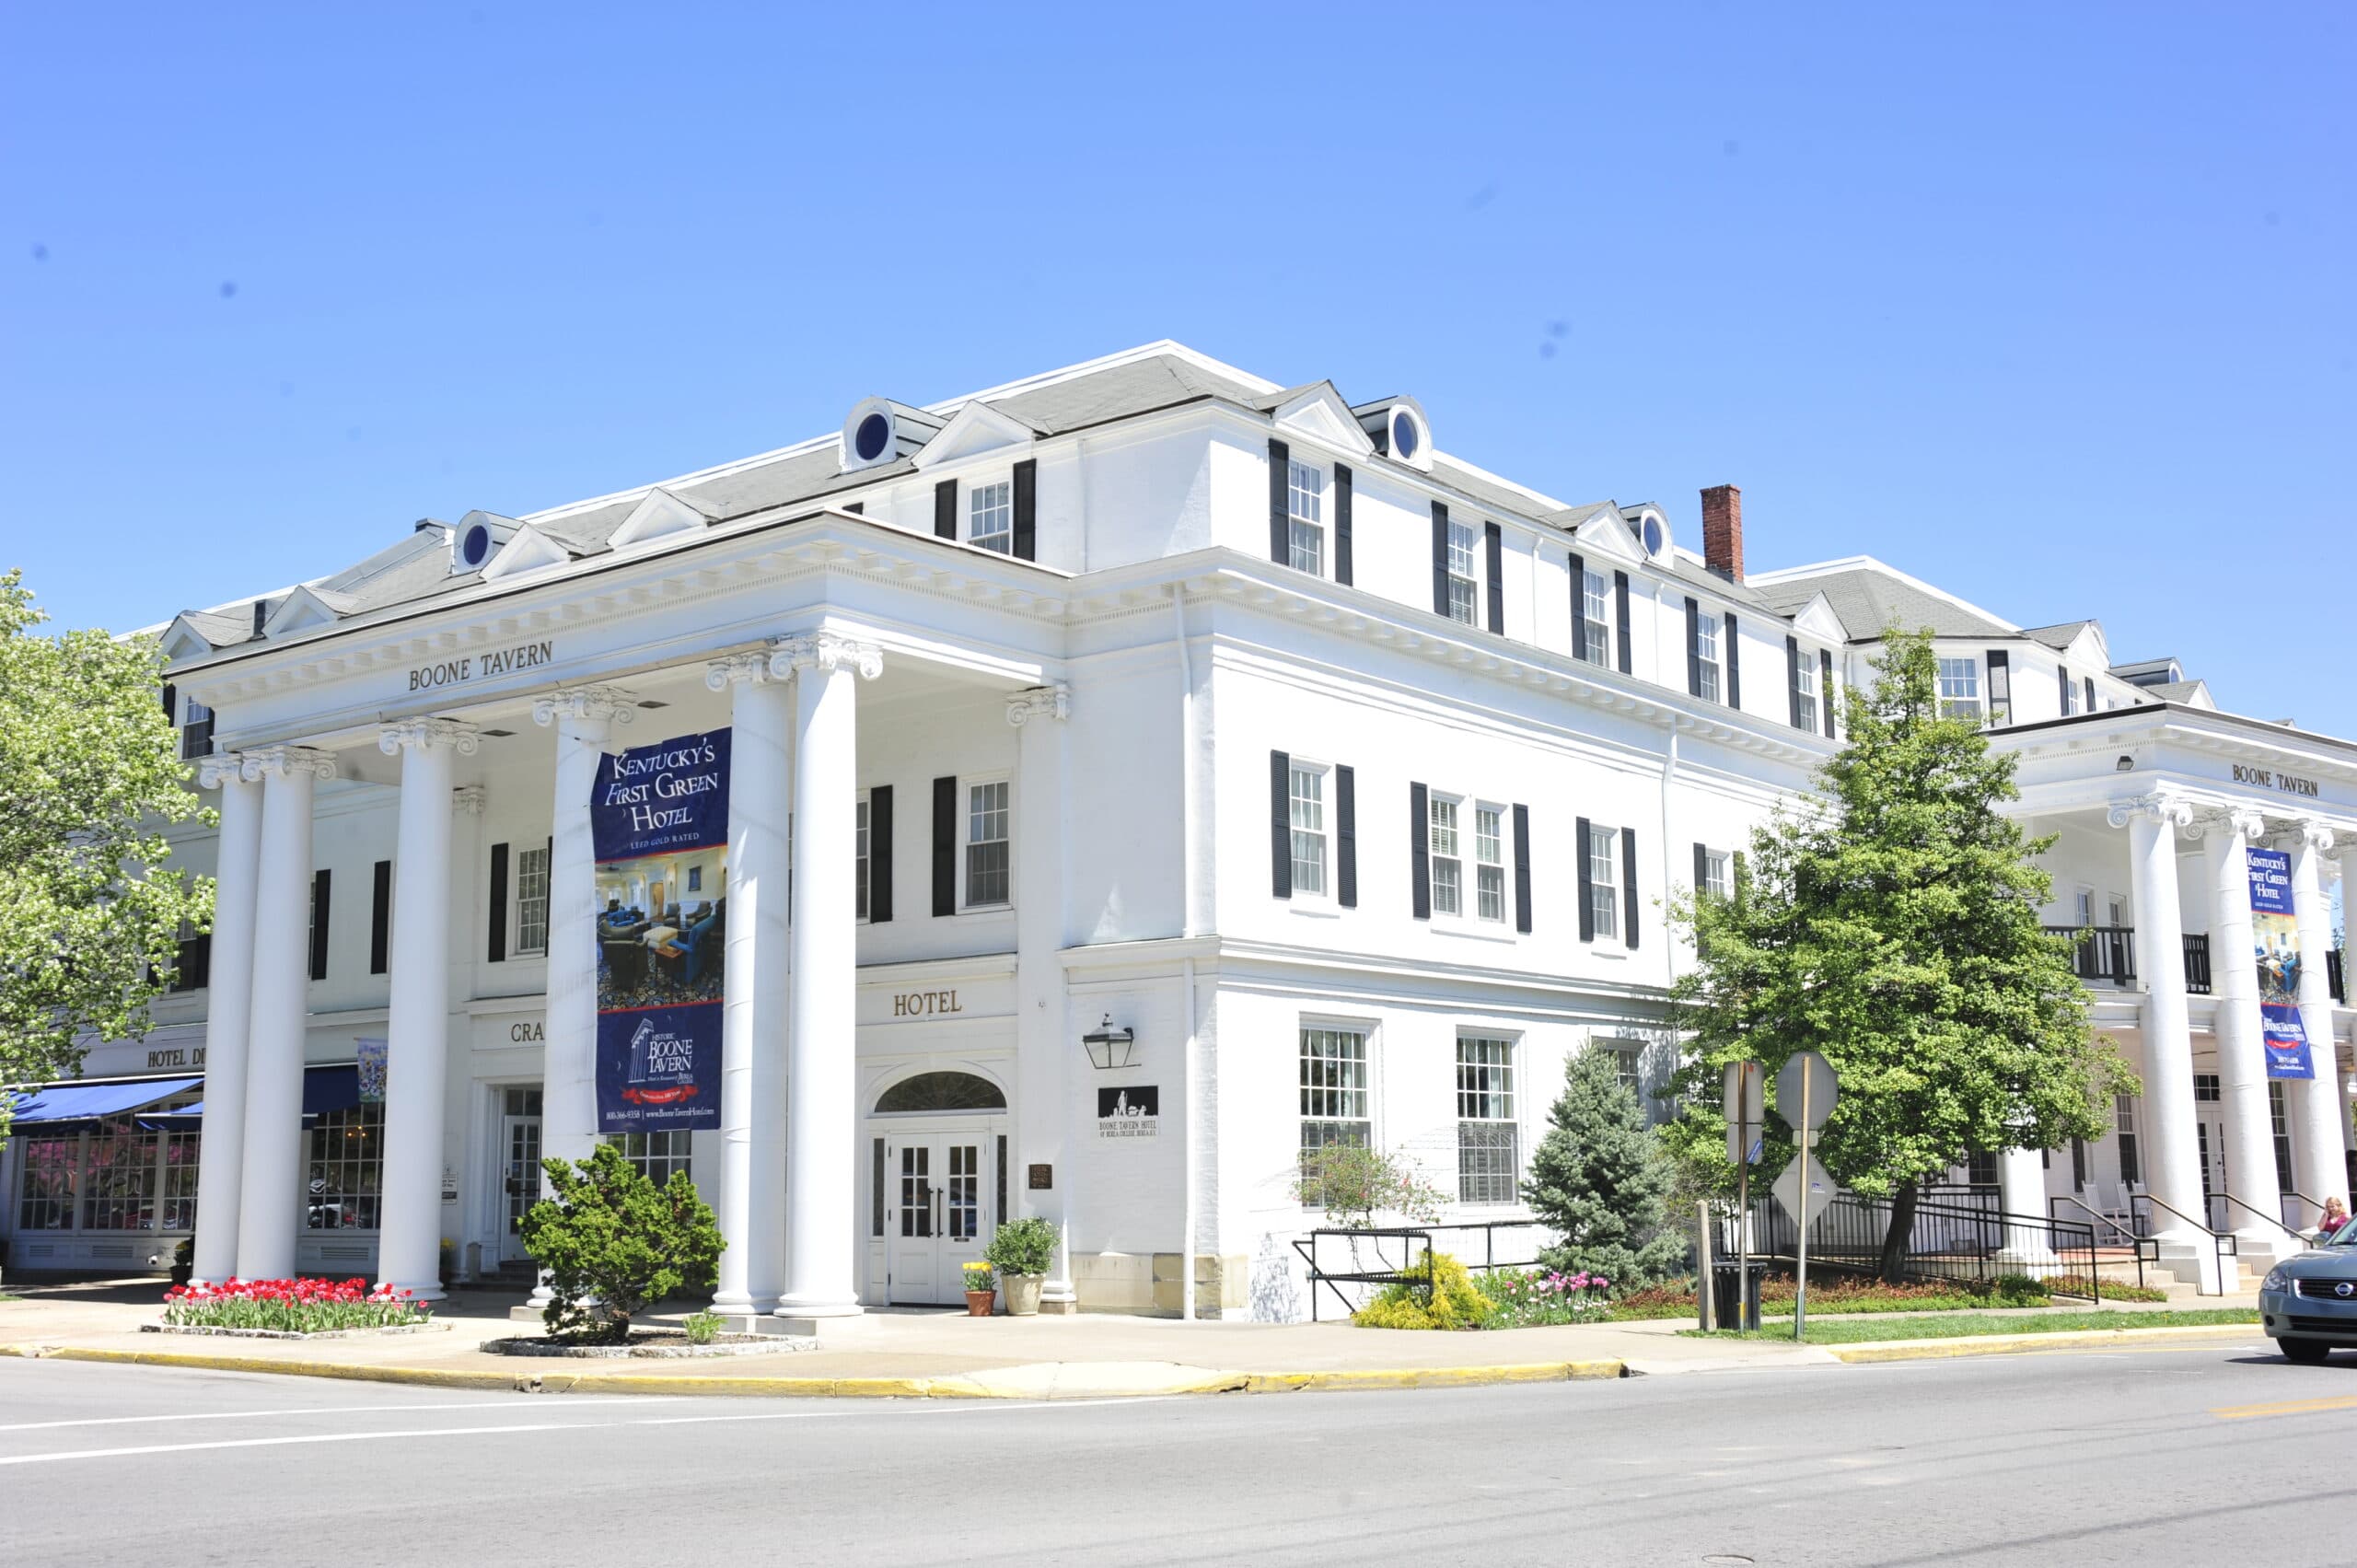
x,y
942,1091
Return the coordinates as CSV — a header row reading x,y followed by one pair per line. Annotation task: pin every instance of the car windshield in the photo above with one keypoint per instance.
x,y
2345,1236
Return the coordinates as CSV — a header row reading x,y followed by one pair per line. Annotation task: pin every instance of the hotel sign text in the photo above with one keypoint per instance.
x,y
925,1004
2267,778
470,667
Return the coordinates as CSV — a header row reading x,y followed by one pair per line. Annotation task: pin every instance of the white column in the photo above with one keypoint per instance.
x,y
821,1092
2021,1191
2171,1150
2317,1106
2347,844
462,1128
584,718
270,1189
1044,1042
227,1018
2242,1068
753,1030
417,1025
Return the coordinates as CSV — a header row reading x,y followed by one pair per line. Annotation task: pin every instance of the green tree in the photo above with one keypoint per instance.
x,y
1893,926
1599,1177
612,1241
90,913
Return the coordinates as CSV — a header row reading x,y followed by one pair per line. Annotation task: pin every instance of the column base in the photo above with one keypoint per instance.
x,y
1068,1307
740,1321
431,1292
2035,1261
2262,1248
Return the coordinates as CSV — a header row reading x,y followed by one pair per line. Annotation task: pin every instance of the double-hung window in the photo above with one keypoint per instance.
x,y
859,853
532,900
1603,873
2131,1167
1333,1092
196,729
1307,788
1717,878
990,516
1488,862
656,1156
1959,688
1805,692
1706,655
1595,606
1305,502
987,856
1487,1166
1464,576
1448,858
2070,694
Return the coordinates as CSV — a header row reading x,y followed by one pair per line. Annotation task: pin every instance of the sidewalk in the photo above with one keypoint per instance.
x,y
925,1352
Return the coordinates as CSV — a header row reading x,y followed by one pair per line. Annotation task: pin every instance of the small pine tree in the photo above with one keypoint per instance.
x,y
612,1241
1599,1177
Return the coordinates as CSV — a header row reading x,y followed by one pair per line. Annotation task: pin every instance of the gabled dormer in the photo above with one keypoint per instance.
x,y
1817,620
304,608
1317,413
1599,532
977,430
1397,429
660,513
527,550
478,537
879,431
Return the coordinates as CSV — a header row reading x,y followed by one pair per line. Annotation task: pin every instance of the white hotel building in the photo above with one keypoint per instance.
x,y
1146,697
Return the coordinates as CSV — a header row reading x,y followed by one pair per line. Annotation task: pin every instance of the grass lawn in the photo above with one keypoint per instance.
x,y
1964,1325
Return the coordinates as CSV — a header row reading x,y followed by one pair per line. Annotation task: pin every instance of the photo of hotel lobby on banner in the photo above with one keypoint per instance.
x,y
659,816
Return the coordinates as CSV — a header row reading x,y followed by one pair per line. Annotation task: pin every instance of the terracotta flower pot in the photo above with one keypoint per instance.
x,y
979,1302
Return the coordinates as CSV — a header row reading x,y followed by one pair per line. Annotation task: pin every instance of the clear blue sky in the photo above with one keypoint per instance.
x,y
2049,305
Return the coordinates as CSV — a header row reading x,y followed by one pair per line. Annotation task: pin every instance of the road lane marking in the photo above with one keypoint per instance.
x,y
296,1440
411,1408
2284,1406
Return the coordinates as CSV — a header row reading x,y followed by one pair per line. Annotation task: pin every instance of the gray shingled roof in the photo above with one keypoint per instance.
x,y
1685,571
2061,635
1866,600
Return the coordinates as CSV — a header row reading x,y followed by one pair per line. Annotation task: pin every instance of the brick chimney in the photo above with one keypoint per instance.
x,y
1723,531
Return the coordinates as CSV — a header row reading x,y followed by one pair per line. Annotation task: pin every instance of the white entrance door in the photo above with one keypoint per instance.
x,y
937,1218
520,1155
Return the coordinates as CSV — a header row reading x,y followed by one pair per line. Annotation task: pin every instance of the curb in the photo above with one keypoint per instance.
x,y
965,1387
2012,1345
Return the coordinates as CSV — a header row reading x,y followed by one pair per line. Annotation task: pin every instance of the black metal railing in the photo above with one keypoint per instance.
x,y
2221,1242
2335,973
1354,1264
2104,952
2112,1232
1969,1240
2275,1219
2197,963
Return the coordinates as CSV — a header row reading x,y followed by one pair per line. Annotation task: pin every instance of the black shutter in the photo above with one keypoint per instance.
x,y
1579,608
945,846
1702,868
2063,690
1440,558
1629,876
1693,648
1346,837
1522,869
1280,825
196,968
380,918
879,854
1341,524
2001,686
1824,688
1621,615
1586,881
497,923
1740,873
1792,677
1026,509
1735,661
322,905
1279,503
171,703
1493,538
944,509
1420,853
2091,693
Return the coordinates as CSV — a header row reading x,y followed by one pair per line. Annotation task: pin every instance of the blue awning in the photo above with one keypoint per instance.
x,y
330,1088
83,1102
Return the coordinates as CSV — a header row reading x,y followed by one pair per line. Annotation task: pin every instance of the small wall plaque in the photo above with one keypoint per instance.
x,y
1043,1177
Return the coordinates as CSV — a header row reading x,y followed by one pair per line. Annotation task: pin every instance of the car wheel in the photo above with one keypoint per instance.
x,y
2308,1353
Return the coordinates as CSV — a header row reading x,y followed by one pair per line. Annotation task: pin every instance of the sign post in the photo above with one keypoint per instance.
x,y
1745,1110
1805,1095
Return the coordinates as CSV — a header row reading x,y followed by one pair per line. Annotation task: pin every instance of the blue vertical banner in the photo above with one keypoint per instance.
x,y
2275,941
658,820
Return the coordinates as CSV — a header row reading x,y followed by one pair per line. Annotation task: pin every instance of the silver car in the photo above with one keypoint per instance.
x,y
2308,1303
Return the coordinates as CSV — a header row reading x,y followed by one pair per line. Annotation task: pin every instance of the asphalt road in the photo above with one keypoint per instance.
x,y
2216,1455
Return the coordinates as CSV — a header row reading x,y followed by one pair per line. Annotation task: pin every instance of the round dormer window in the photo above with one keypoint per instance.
x,y
869,442
1404,435
475,547
1653,535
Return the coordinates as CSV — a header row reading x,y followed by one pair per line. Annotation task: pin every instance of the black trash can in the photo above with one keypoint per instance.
x,y
1727,1282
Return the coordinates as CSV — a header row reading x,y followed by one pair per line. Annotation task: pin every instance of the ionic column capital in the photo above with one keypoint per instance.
x,y
1051,702
425,735
826,652
468,800
610,702
2172,811
285,763
748,668
2218,820
2311,834
220,768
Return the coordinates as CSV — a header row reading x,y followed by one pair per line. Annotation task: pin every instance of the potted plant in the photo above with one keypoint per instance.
x,y
1021,1254
183,1260
981,1291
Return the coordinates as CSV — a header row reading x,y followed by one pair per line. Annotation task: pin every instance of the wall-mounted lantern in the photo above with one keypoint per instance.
x,y
1109,1047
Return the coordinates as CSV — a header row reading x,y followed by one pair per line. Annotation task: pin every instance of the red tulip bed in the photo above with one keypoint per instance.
x,y
292,1307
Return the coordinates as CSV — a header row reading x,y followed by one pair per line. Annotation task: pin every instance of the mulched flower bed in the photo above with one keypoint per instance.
x,y
655,1344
